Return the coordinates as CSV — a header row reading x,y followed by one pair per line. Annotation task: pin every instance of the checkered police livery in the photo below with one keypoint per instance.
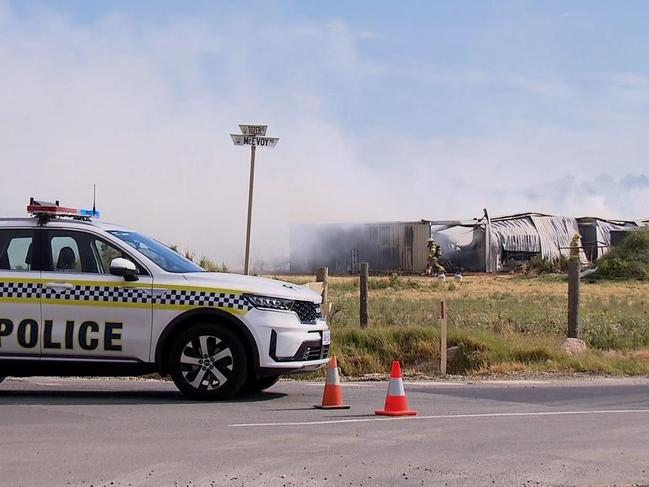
x,y
186,297
100,294
19,290
182,298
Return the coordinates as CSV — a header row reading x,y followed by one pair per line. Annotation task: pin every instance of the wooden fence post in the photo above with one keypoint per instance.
x,y
364,270
322,275
574,271
443,330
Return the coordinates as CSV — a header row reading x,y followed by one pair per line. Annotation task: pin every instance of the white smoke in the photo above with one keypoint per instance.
x,y
144,109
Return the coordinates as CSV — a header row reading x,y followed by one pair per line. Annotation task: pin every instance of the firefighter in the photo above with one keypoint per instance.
x,y
434,254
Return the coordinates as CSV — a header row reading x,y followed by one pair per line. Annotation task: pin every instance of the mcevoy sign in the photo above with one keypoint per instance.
x,y
260,141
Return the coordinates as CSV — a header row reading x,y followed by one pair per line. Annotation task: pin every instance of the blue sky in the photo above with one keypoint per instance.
x,y
385,110
430,63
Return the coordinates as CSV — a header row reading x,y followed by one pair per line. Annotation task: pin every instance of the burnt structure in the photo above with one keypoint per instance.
x,y
387,247
479,245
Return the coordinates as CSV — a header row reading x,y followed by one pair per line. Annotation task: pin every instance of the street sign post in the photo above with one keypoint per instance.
x,y
254,136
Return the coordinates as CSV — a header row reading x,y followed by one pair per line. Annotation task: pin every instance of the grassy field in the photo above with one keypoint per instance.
x,y
502,324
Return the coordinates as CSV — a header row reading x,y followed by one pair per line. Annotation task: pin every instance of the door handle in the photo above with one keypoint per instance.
x,y
59,286
156,293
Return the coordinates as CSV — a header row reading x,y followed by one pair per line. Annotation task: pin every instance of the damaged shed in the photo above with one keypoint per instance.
x,y
598,234
479,245
387,247
495,242
489,244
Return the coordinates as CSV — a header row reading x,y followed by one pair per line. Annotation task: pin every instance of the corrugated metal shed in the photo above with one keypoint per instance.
x,y
530,234
497,240
515,235
472,245
596,233
556,233
390,246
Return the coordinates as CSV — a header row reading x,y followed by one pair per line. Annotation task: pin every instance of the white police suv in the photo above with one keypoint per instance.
x,y
83,298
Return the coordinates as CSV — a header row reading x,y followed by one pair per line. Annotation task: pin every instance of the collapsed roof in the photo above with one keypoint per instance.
x,y
486,244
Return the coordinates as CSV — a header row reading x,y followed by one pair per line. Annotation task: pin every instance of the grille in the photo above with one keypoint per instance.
x,y
316,352
307,312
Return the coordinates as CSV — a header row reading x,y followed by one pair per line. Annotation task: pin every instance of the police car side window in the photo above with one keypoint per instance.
x,y
65,254
82,252
105,253
16,250
70,251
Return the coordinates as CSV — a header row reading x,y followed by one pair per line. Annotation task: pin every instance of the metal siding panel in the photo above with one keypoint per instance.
x,y
604,234
419,247
556,234
516,235
403,248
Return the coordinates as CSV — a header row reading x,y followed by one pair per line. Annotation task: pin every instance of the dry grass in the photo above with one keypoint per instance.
x,y
503,325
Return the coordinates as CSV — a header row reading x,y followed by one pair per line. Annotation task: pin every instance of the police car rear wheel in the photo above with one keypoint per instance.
x,y
208,362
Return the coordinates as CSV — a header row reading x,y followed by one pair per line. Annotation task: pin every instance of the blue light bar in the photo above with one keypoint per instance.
x,y
89,213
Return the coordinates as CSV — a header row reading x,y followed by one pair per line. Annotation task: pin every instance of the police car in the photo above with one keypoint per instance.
x,y
83,298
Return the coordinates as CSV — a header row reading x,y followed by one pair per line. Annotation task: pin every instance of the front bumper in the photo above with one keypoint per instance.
x,y
313,349
285,344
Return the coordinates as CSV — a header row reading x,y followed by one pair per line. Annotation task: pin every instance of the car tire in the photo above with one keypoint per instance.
x,y
208,362
258,384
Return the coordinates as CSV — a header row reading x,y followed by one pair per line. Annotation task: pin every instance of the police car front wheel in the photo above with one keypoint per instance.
x,y
258,384
208,362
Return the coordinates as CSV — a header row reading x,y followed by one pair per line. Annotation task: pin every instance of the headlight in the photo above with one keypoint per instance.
x,y
266,302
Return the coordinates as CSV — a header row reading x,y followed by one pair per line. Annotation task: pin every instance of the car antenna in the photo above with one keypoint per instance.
x,y
94,199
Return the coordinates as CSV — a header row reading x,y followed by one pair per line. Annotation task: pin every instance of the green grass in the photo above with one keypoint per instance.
x,y
502,325
480,353
618,324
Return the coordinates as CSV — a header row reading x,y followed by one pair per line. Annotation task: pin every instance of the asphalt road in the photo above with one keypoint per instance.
x,y
132,432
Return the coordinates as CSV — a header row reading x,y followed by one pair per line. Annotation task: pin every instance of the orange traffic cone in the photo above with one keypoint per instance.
x,y
396,403
333,391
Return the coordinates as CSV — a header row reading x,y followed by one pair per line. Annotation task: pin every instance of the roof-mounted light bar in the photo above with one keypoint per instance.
x,y
46,209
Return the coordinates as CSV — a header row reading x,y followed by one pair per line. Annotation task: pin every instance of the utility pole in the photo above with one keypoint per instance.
x,y
252,135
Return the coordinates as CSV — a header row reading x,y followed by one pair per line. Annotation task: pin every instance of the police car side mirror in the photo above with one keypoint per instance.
x,y
125,268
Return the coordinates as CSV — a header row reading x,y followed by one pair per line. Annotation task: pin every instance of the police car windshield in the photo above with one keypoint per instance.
x,y
162,255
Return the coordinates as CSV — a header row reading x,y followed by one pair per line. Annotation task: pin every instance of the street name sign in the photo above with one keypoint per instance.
x,y
253,129
240,139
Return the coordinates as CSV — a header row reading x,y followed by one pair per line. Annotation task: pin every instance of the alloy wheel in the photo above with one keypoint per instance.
x,y
206,362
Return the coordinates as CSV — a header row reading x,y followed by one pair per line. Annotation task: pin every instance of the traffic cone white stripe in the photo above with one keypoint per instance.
x,y
332,377
395,388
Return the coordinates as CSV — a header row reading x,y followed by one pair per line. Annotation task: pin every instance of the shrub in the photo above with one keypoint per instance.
x,y
543,265
630,260
205,262
211,266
